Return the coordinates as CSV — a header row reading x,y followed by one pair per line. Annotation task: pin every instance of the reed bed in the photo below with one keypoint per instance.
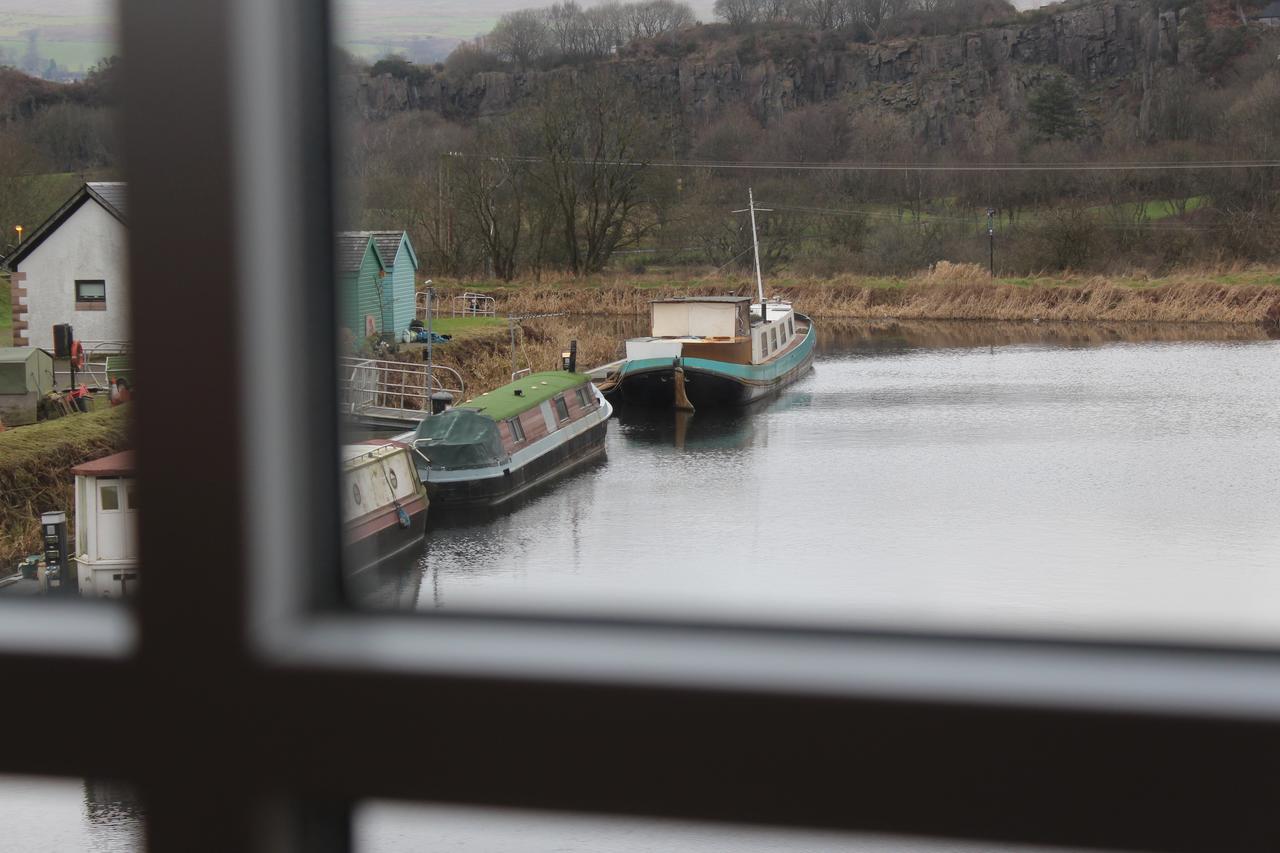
x,y
35,472
946,292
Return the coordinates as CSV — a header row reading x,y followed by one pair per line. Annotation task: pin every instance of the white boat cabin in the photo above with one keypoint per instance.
x,y
720,328
106,530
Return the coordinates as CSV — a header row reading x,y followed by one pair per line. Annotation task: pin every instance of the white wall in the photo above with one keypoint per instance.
x,y
91,244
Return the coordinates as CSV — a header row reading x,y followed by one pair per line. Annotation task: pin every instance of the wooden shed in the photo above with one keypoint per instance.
x,y
376,272
26,375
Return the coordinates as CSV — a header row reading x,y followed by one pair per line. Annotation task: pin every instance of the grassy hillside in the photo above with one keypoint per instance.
x,y
35,471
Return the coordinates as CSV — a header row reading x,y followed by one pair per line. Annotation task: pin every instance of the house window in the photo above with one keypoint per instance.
x,y
562,409
108,497
91,294
517,431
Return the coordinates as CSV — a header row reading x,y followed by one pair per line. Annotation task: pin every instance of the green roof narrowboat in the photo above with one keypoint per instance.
x,y
502,443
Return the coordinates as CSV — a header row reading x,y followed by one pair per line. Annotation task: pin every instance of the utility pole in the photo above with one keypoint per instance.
x,y
991,239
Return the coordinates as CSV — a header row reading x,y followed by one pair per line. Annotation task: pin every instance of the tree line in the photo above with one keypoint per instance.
x,y
566,31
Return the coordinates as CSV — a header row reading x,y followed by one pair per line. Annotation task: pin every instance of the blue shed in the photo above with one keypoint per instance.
x,y
376,274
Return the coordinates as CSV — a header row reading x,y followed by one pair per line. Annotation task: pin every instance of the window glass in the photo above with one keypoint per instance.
x,y
108,497
131,495
1066,459
66,816
383,827
91,291
517,431
63,246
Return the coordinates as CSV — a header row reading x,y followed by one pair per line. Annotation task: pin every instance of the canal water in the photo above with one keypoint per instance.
x,y
1070,480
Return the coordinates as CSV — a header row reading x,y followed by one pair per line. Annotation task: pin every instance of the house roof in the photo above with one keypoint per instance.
x,y
1272,11
109,194
116,465
351,246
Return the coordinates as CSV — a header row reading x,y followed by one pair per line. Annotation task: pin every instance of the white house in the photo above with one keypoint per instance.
x,y
72,269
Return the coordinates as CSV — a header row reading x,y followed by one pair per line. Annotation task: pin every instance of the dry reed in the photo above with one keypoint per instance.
x,y
947,292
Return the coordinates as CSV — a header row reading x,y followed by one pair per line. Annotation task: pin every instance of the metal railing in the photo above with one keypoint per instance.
x,y
370,383
474,305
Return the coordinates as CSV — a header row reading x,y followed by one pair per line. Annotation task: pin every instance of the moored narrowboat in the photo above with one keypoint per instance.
x,y
384,507
505,442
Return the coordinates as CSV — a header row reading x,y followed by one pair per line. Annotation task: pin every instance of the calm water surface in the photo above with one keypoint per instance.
x,y
1075,480
1062,479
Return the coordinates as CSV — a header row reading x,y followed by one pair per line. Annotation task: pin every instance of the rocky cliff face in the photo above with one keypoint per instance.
x,y
1112,49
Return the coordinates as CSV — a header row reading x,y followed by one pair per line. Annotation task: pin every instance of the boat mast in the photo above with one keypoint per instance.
x,y
755,245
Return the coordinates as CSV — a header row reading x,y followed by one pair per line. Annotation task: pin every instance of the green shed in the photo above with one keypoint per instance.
x,y
376,274
26,375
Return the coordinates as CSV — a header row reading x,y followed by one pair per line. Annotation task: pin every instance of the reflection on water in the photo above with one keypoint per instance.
x,y
65,816
1047,477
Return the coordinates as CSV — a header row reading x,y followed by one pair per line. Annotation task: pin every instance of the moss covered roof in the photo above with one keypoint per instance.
x,y
533,389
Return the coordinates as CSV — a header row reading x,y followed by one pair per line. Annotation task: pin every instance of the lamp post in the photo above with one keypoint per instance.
x,y
991,239
19,229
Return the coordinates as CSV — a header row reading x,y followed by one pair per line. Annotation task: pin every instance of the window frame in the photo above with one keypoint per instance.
x,y
90,303
234,716
516,429
561,406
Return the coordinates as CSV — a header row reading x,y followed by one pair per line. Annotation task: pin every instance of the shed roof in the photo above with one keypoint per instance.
x,y
502,403
116,465
351,246
1272,11
109,194
16,355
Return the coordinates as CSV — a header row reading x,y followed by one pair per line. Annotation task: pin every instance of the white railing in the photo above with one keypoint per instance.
x,y
474,305
524,371
371,383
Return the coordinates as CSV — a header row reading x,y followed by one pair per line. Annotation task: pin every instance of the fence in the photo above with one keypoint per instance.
x,y
474,305
370,383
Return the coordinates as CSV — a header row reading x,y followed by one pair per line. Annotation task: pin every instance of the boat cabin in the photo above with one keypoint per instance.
x,y
717,328
106,542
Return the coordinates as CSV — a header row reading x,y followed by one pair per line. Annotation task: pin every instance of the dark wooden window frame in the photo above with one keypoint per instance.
x,y
252,708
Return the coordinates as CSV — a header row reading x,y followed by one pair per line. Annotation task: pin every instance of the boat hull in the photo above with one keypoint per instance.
x,y
711,384
451,490
380,543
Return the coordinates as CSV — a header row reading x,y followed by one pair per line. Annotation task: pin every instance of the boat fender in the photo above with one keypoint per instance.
x,y
402,516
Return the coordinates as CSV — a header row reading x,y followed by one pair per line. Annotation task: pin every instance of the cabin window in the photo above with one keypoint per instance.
x,y
393,479
562,409
355,494
773,337
91,292
584,397
517,431
109,497
791,325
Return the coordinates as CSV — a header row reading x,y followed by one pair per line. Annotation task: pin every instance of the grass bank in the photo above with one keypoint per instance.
x,y
949,292
35,472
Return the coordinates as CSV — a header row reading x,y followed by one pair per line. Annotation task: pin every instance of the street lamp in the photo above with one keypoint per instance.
x,y
19,229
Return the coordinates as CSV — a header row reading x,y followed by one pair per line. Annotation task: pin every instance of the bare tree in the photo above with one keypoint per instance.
x,y
594,149
520,37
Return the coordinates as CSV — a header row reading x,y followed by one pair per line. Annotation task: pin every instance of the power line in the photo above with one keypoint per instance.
x,y
1177,165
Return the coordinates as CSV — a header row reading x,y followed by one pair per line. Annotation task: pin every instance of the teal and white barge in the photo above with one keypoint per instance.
x,y
713,350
